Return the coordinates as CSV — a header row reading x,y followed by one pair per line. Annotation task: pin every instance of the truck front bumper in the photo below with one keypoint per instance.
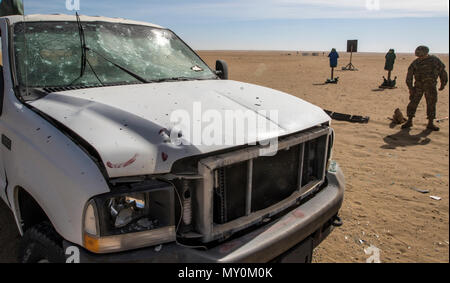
x,y
308,224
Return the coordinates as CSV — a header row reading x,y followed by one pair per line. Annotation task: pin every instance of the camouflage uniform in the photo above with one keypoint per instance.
x,y
426,71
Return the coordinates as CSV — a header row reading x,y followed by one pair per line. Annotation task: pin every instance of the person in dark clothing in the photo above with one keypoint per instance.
x,y
390,60
334,56
421,80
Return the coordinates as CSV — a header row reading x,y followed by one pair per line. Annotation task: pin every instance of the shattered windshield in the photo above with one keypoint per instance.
x,y
49,54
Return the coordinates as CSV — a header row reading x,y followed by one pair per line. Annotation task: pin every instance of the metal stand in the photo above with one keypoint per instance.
x,y
332,80
389,83
350,66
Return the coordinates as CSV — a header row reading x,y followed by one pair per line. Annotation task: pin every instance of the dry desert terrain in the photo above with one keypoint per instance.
x,y
382,163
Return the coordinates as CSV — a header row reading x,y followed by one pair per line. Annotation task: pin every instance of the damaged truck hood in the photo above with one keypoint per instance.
x,y
126,124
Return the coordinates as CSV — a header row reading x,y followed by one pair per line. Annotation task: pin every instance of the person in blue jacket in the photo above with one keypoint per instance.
x,y
333,64
333,58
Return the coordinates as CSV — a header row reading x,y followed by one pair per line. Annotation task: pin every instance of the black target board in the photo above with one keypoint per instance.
x,y
352,45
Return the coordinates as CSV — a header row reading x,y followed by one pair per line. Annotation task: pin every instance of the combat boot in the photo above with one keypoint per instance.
x,y
408,124
431,126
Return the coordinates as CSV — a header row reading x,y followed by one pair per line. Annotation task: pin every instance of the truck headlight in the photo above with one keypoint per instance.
x,y
131,217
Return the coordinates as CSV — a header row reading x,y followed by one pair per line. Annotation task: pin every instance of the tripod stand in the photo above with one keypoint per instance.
x,y
350,66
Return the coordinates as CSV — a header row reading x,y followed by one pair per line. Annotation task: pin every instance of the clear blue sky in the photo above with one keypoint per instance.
x,y
282,24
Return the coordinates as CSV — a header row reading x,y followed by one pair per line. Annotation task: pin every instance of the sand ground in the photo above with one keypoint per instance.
x,y
381,162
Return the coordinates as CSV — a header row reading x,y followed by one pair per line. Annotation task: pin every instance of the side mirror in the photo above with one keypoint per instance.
x,y
222,69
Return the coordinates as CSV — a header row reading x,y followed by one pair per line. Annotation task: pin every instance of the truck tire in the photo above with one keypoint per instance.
x,y
41,244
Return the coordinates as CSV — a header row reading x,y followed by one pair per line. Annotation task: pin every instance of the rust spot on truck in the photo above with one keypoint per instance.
x,y
298,213
122,165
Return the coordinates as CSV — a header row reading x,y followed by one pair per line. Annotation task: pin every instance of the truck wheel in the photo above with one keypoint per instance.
x,y
41,244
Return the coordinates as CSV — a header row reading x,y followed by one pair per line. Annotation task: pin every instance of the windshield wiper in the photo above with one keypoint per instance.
x,y
84,59
83,49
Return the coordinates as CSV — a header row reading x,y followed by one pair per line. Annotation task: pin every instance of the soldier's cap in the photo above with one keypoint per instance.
x,y
422,51
333,50
391,50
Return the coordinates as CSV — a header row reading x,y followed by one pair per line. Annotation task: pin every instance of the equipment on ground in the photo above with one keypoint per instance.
x,y
347,117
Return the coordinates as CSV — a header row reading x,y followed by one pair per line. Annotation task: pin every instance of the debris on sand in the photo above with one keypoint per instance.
x,y
420,191
347,117
435,197
398,117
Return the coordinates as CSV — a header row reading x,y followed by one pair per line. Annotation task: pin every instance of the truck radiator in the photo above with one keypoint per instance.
x,y
273,179
241,188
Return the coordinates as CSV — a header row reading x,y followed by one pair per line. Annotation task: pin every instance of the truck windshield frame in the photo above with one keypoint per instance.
x,y
48,54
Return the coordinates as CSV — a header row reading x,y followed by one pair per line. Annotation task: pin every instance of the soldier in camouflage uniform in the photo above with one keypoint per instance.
x,y
426,69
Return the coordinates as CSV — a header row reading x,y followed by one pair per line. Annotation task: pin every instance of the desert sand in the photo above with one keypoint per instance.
x,y
381,162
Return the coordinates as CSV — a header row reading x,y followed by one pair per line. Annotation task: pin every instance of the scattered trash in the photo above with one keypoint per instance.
x,y
420,191
438,175
435,197
442,120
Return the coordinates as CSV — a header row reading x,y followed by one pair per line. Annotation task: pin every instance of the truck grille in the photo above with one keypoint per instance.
x,y
241,188
273,179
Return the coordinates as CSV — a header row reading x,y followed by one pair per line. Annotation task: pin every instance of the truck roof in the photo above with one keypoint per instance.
x,y
63,17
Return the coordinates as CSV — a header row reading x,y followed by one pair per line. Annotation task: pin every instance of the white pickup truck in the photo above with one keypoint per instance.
x,y
87,159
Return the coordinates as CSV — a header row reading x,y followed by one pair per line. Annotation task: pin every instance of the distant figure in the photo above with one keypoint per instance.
x,y
333,58
425,70
11,7
390,60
